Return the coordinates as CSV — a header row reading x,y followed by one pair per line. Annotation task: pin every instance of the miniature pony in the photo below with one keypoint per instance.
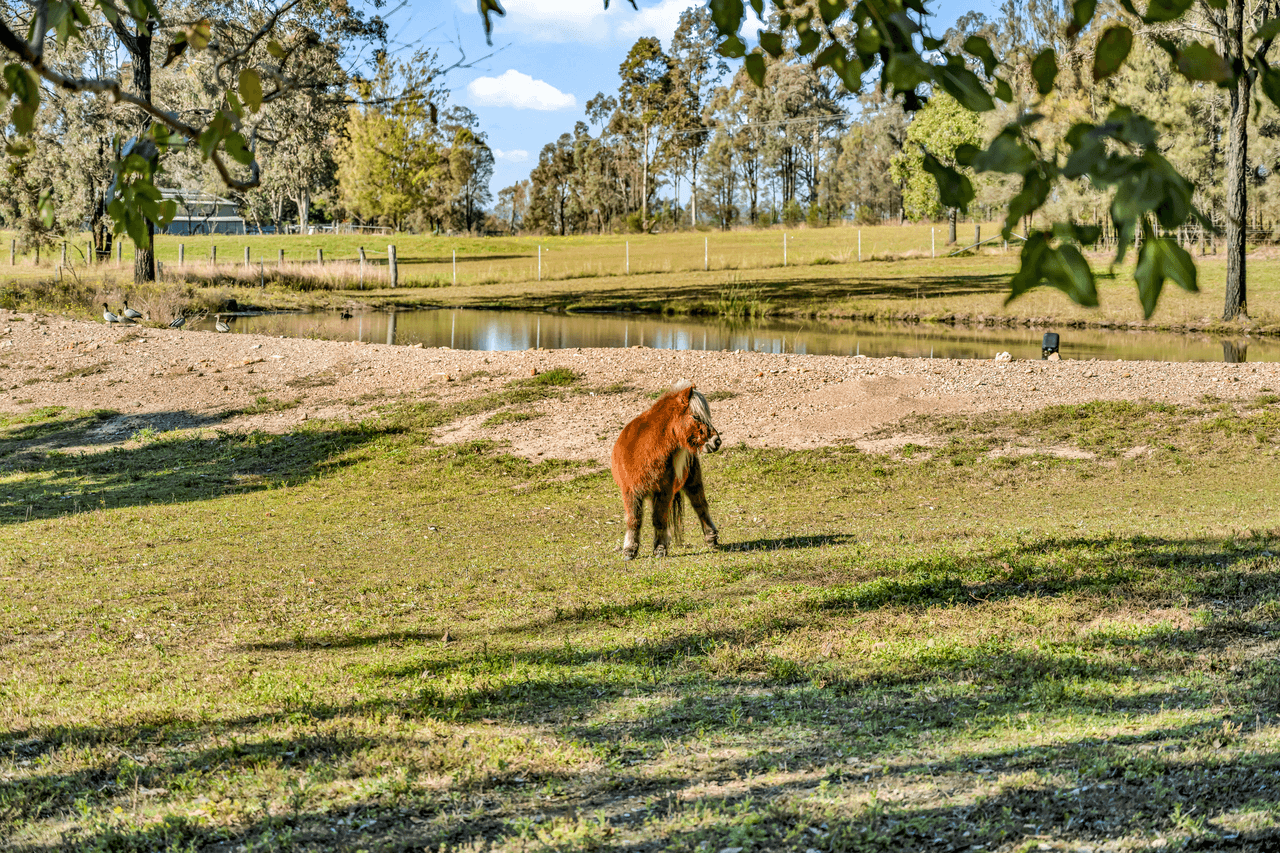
x,y
655,460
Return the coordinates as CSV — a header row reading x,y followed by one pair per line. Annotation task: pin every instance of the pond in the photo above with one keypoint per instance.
x,y
472,329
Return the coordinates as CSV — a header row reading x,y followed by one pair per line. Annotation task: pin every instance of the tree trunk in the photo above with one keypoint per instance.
x,y
693,195
304,210
139,47
1237,203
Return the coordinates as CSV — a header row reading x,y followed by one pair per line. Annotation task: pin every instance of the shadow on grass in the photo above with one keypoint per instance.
x,y
394,639
787,543
46,481
771,751
809,286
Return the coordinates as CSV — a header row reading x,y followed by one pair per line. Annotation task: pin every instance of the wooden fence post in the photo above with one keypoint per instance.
x,y
213,254
246,257
320,256
391,265
280,257
182,254
13,252
362,267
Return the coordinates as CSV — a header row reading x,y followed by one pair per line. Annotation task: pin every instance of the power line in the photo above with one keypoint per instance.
x,y
781,122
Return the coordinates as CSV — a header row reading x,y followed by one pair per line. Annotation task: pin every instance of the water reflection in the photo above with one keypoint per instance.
x,y
519,330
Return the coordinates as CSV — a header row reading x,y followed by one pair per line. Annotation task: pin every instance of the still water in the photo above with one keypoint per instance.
x,y
517,330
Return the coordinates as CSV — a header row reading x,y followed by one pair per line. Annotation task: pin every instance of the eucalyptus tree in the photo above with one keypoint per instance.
x,y
391,162
696,70
644,100
889,43
246,56
940,129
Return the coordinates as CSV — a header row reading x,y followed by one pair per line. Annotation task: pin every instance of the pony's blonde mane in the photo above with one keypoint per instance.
x,y
697,403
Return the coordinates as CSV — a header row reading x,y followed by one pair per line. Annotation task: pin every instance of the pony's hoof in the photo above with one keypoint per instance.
x,y
659,550
713,542
628,555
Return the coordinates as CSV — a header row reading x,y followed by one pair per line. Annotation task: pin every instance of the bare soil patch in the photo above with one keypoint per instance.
x,y
164,379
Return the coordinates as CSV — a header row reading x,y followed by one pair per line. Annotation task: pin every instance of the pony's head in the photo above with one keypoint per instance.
x,y
705,436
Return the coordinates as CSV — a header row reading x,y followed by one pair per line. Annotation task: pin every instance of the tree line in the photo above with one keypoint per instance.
x,y
685,140
327,123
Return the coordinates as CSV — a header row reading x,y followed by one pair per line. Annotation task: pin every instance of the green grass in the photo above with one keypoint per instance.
x,y
349,637
897,279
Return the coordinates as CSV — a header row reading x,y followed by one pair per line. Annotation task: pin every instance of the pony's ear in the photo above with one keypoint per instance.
x,y
684,395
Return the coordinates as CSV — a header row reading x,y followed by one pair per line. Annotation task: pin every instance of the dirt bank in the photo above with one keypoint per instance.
x,y
166,379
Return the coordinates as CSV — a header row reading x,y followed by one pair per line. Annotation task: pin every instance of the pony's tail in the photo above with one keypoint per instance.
x,y
675,521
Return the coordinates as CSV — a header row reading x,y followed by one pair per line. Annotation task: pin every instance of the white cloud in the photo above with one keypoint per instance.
x,y
659,21
515,156
588,20
519,91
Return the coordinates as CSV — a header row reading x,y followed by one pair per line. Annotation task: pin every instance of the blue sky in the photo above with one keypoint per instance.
x,y
549,57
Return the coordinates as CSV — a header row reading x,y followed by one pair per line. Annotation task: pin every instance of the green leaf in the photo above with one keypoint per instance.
x,y
850,70
236,148
732,47
727,16
963,85
831,9
954,189
1163,11
1268,30
1081,14
755,67
1035,190
771,43
1270,79
251,89
1062,267
809,39
274,48
23,84
1044,68
1112,51
1072,232
1161,258
979,47
1200,62
1006,154
906,71
867,40
46,207
1003,90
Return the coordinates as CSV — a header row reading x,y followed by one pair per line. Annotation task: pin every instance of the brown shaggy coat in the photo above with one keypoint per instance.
x,y
655,460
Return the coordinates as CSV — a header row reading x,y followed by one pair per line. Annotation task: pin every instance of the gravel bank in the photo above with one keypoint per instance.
x,y
166,379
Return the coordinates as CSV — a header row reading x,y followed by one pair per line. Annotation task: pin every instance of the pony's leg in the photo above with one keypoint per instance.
x,y
661,519
698,498
634,506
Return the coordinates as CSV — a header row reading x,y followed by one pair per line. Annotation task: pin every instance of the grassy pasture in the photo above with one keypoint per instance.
x,y
1024,635
897,277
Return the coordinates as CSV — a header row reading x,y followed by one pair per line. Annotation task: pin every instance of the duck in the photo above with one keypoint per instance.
x,y
220,324
130,313
107,315
176,322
